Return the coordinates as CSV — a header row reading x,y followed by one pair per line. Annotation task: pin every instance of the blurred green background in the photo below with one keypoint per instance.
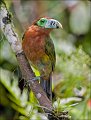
x,y
71,79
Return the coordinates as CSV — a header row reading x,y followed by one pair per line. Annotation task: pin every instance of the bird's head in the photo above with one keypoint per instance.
x,y
48,23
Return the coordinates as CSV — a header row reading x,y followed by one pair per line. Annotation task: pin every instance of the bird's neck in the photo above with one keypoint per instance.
x,y
35,30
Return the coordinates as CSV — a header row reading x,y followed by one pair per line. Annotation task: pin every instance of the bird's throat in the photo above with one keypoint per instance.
x,y
39,30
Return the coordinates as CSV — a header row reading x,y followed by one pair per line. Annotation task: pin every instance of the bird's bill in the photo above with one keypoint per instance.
x,y
52,23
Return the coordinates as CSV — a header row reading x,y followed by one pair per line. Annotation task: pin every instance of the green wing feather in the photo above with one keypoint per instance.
x,y
50,51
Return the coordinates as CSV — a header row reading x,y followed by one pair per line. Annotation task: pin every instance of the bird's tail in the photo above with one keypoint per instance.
x,y
47,86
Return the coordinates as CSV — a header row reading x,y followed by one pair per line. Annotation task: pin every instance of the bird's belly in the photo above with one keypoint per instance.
x,y
35,55
41,62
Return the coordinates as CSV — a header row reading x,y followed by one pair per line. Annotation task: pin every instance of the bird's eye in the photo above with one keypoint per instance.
x,y
42,21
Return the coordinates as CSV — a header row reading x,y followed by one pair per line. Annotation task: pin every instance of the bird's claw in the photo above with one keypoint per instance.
x,y
35,78
26,83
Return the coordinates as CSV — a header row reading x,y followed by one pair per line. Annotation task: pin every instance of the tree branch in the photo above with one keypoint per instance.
x,y
7,28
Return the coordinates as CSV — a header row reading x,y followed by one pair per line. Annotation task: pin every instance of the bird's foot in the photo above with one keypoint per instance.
x,y
36,78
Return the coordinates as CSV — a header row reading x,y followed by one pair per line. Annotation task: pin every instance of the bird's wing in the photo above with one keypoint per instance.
x,y
50,51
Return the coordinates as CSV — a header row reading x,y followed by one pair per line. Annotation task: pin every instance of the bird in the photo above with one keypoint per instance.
x,y
40,51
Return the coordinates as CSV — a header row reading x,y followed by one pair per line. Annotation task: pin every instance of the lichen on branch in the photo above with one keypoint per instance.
x,y
6,26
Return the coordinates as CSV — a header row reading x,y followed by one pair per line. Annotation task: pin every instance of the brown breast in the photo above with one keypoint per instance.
x,y
34,42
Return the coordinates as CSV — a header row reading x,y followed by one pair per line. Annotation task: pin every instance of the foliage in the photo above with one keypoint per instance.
x,y
15,99
75,72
